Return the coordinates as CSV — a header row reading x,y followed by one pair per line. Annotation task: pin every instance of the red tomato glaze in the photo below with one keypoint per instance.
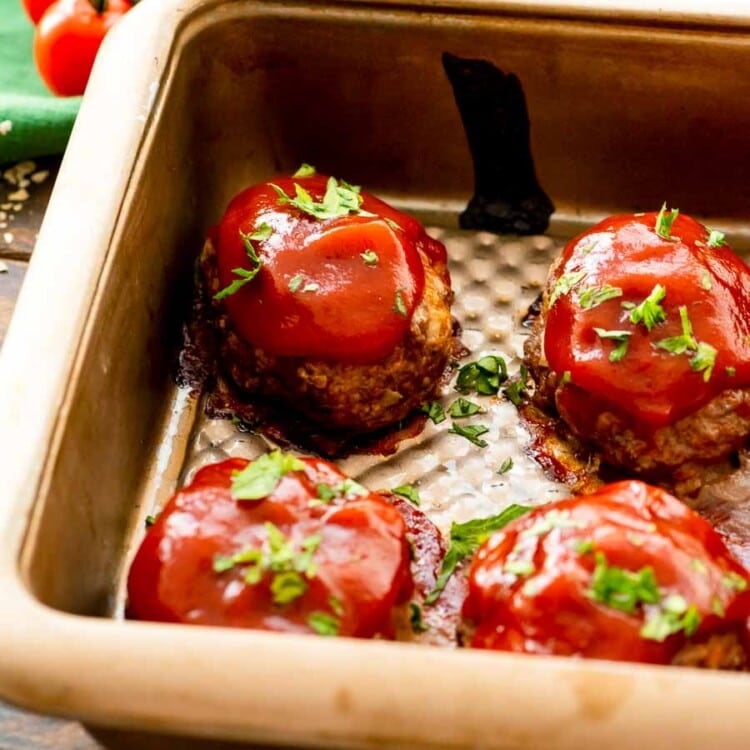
x,y
339,306
649,384
359,573
551,605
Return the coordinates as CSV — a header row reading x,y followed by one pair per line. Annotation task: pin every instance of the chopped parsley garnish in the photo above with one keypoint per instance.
x,y
471,432
594,296
734,581
327,493
566,377
565,284
716,238
706,280
409,491
305,170
289,568
673,616
664,221
323,623
296,283
340,199
683,343
704,360
466,538
150,520
415,618
520,568
717,607
398,306
730,371
505,466
336,605
583,546
434,410
244,275
649,312
370,257
514,390
623,589
483,376
462,407
261,476
621,338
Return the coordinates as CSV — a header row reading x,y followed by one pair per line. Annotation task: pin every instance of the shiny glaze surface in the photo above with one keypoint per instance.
x,y
362,560
650,385
552,610
350,311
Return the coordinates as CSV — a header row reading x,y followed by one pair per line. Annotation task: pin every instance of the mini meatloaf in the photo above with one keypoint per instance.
x,y
642,345
329,300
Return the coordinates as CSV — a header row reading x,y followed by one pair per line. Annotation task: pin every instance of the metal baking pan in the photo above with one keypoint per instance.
x,y
194,99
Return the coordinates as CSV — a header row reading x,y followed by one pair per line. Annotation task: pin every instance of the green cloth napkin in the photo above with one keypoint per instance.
x,y
40,123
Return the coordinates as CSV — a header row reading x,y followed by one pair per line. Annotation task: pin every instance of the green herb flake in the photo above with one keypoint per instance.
x,y
415,618
244,275
682,343
649,312
514,392
730,371
296,283
565,284
471,432
621,338
519,568
222,563
706,280
261,476
340,199
287,586
466,538
717,607
398,306
673,616
716,238
327,493
664,221
150,520
336,605
324,624
623,589
483,376
393,225
583,546
566,378
505,466
704,360
370,257
305,170
594,296
408,491
463,408
434,410
734,581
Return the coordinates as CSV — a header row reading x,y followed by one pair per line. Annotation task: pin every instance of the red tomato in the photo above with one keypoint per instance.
x,y
627,573
316,292
704,288
68,38
338,565
35,8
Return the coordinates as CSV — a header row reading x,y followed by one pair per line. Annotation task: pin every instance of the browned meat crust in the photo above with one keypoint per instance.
x,y
721,651
340,395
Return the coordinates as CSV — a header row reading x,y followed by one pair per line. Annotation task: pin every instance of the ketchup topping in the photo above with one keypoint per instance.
x,y
341,288
289,561
628,573
706,292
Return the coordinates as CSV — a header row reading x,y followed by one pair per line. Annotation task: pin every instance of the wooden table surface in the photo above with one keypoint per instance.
x,y
21,730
